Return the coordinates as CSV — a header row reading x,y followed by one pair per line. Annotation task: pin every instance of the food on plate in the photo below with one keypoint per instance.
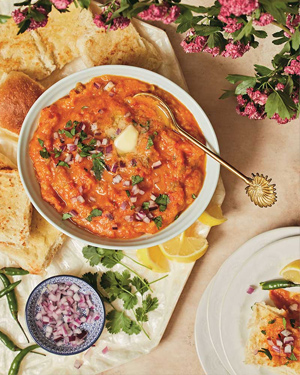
x,y
5,163
184,249
110,193
17,219
277,284
67,37
274,338
64,312
154,259
212,215
18,92
292,271
15,209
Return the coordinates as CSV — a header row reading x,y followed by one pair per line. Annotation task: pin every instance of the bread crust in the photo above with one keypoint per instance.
x,y
18,92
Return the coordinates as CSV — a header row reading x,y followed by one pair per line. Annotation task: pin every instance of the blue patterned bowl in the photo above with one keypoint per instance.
x,y
94,329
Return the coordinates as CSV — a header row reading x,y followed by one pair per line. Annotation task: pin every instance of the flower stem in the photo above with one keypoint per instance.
x,y
282,27
140,325
163,277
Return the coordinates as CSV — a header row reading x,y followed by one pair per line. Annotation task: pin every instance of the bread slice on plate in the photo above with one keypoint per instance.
x,y
5,163
18,92
43,243
266,325
15,209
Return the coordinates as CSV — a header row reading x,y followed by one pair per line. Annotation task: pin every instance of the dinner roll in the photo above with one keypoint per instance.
x,y
18,92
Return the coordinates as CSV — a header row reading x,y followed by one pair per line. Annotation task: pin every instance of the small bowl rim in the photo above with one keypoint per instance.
x,y
32,187
29,328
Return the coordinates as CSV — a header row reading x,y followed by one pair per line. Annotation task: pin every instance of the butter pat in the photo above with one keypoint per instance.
x,y
127,140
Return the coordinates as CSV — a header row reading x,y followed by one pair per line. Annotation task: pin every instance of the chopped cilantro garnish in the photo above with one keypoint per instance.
x,y
162,200
292,357
97,155
194,196
66,216
146,127
69,124
94,213
149,143
62,164
134,123
92,142
98,168
82,135
136,179
158,222
85,106
128,193
284,322
146,205
272,321
263,332
132,207
85,149
44,153
57,152
155,133
67,133
266,352
292,321
41,142
176,217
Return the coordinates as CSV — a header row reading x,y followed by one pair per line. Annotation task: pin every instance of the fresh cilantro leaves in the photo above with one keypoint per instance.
x,y
127,193
194,196
117,321
96,255
98,168
145,205
66,216
293,321
149,142
136,179
292,357
148,304
272,321
162,200
91,278
266,352
284,322
158,222
57,152
41,142
44,153
62,164
94,213
263,332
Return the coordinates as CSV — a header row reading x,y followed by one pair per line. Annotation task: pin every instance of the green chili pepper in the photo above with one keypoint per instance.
x,y
12,271
15,366
8,289
277,284
12,302
11,345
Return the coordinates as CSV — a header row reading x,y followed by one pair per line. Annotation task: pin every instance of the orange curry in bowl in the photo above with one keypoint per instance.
x,y
110,163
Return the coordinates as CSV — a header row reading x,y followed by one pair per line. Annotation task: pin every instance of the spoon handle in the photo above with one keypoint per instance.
x,y
213,155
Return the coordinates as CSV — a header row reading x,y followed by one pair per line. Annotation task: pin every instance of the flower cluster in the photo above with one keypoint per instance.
x,y
294,67
103,20
264,20
292,21
20,15
237,7
163,13
61,4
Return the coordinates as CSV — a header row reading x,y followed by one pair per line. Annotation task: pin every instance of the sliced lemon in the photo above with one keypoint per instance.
x,y
291,271
212,216
184,249
153,258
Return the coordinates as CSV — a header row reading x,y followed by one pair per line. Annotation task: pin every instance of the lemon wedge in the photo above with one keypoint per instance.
x,y
184,249
153,258
212,216
291,271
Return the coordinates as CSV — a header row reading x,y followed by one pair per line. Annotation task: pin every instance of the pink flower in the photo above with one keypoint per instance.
x,y
193,43
241,101
213,51
252,112
120,22
279,87
162,13
61,4
282,121
294,67
235,50
238,7
292,21
20,15
257,96
232,25
264,20
99,21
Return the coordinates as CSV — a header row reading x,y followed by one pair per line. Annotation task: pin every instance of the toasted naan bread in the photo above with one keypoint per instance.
x,y
5,163
261,316
43,243
15,209
21,53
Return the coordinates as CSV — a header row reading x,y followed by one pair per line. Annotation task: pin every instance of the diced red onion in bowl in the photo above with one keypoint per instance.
x,y
105,350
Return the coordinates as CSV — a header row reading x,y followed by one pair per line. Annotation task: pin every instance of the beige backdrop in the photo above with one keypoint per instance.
x,y
252,146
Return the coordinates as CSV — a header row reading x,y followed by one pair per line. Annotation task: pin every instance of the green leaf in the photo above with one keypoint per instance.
x,y
92,255
66,216
296,40
205,30
129,300
245,31
139,285
279,41
263,332
136,179
289,85
293,321
145,205
84,3
272,321
127,193
149,143
57,152
150,304
227,94
262,70
117,321
4,19
69,124
259,33
279,102
276,8
162,200
196,9
278,34
94,213
23,26
241,89
133,329
292,357
44,153
41,142
194,196
158,222
284,322
141,316
234,78
62,164
111,257
266,352
98,168
91,278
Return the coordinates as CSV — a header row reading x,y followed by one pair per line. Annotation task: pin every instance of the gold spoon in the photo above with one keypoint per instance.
x,y
258,188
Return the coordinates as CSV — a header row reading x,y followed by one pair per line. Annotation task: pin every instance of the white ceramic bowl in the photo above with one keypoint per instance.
x,y
32,187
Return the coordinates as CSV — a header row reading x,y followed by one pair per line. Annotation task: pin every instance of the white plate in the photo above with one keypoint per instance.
x,y
62,88
206,353
236,309
226,273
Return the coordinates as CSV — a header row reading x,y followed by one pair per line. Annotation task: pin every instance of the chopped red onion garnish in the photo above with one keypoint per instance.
x,y
100,110
62,147
108,86
294,307
76,140
133,162
55,135
276,349
111,94
109,216
80,189
114,167
128,218
286,333
78,363
118,131
114,227
124,206
157,164
133,199
105,350
73,213
146,220
68,158
82,126
135,189
141,192
251,289
270,342
150,215
78,158
128,114
98,143
153,197
279,343
72,147
92,199
126,183
288,349
80,199
97,85
255,352
94,127
104,141
93,152
117,179
122,164
288,339
109,149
